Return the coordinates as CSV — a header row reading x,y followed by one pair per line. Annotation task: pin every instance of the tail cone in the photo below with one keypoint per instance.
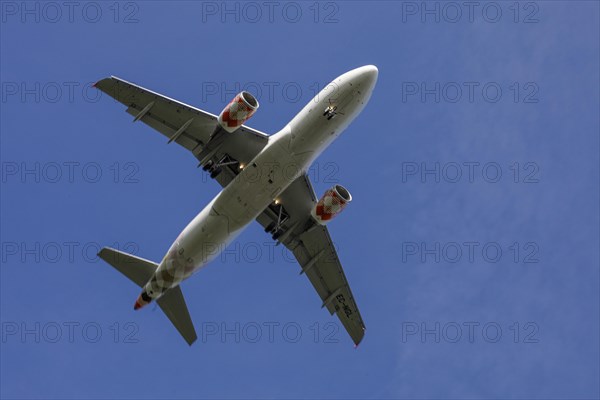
x,y
141,301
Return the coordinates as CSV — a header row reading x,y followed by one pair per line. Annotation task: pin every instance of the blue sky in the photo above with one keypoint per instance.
x,y
471,244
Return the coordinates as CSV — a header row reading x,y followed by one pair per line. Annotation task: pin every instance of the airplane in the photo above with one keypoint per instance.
x,y
264,178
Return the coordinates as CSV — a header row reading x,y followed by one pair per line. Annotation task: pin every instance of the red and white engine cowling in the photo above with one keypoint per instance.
x,y
331,204
238,111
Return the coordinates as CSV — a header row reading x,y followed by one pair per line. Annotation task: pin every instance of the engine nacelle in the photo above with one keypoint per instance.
x,y
331,204
238,111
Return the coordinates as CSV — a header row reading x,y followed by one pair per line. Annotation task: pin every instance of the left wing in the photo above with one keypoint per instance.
x,y
187,126
312,246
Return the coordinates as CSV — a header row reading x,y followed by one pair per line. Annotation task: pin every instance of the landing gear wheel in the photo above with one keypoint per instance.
x,y
277,234
270,227
215,172
207,166
330,111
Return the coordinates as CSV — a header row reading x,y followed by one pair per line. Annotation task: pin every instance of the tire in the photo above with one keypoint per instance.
x,y
215,173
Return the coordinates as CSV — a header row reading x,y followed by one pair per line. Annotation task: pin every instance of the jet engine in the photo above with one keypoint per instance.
x,y
331,204
238,111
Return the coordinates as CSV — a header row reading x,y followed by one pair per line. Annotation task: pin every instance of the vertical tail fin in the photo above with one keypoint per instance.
x,y
140,271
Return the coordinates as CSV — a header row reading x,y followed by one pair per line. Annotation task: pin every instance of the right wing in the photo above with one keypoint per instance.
x,y
187,126
312,246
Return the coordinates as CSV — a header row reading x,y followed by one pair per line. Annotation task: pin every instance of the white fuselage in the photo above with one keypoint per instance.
x,y
288,154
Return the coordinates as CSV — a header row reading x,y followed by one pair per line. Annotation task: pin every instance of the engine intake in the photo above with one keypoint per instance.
x,y
238,111
331,204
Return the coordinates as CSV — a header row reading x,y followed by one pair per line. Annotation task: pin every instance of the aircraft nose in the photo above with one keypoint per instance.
x,y
368,75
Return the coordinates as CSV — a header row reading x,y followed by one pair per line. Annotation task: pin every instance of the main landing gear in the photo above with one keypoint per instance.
x,y
216,168
275,228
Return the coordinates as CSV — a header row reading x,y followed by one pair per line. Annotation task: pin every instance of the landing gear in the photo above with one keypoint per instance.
x,y
207,166
216,168
330,111
276,228
215,172
270,227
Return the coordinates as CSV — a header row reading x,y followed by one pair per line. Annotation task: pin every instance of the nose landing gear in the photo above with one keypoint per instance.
x,y
331,111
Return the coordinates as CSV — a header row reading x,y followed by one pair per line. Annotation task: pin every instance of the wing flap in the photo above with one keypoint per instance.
x,y
187,140
165,114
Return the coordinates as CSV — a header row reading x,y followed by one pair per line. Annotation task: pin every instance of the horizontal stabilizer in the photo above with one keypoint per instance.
x,y
135,268
140,271
173,305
